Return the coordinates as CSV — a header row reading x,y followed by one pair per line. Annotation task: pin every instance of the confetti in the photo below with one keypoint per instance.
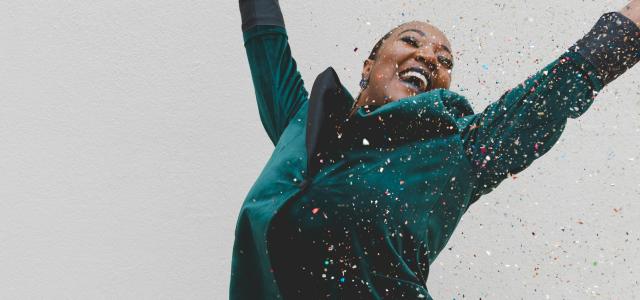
x,y
459,154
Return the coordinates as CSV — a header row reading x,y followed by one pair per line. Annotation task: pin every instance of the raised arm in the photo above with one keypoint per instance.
x,y
528,120
279,88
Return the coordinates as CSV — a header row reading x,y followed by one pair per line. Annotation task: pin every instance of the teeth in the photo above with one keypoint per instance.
x,y
417,75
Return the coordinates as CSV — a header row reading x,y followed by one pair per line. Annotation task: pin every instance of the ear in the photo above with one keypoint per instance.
x,y
366,68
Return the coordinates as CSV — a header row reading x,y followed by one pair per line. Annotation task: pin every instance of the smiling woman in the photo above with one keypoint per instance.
x,y
360,196
413,58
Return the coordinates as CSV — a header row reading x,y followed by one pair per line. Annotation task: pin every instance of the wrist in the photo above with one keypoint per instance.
x,y
260,12
612,46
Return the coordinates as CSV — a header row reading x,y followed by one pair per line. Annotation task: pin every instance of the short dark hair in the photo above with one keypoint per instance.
x,y
374,52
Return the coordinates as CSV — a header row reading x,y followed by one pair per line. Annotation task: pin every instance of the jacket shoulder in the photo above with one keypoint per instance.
x,y
455,104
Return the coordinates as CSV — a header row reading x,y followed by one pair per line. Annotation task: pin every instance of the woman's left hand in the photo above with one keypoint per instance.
x,y
632,11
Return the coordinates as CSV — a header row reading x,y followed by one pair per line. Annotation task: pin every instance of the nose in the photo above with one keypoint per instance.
x,y
426,56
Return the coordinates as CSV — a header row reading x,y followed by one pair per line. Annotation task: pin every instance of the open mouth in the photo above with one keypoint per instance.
x,y
416,78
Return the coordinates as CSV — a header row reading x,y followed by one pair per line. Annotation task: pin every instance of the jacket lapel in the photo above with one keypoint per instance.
x,y
329,104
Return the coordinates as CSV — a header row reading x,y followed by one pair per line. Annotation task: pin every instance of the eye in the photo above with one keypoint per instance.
x,y
410,40
445,61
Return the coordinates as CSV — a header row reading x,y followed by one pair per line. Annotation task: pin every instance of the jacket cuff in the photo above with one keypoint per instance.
x,y
612,46
260,12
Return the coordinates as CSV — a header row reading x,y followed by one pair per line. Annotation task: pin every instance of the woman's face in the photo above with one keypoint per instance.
x,y
415,58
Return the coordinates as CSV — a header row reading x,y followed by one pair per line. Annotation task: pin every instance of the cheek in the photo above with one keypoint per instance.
x,y
387,67
385,73
443,79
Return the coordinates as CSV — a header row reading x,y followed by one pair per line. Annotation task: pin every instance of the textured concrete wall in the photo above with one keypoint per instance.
x,y
129,136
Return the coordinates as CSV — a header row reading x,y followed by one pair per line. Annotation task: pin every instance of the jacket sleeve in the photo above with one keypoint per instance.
x,y
528,120
278,85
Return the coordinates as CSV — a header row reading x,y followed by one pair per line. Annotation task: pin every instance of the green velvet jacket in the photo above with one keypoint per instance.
x,y
358,208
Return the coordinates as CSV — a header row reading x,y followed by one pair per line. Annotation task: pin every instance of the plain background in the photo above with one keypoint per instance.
x,y
129,136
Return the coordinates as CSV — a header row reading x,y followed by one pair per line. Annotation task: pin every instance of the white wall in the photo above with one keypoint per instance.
x,y
129,136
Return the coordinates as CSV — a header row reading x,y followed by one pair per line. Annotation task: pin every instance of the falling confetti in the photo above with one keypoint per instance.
x,y
397,203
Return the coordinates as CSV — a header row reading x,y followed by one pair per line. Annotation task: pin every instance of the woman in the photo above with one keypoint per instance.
x,y
360,196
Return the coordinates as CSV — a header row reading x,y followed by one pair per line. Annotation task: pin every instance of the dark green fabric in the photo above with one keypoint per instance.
x,y
388,198
612,46
260,12
279,88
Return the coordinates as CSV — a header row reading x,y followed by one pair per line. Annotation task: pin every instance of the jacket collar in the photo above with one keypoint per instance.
x,y
330,130
329,104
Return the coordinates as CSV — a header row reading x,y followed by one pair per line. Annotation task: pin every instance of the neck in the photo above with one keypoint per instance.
x,y
361,100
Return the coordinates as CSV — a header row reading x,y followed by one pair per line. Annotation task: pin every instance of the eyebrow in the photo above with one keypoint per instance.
x,y
421,33
415,30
